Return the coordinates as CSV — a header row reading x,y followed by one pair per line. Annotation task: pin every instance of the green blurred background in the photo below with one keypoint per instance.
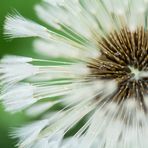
x,y
17,47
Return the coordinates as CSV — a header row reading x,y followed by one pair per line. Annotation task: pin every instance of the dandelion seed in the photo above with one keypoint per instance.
x,y
103,79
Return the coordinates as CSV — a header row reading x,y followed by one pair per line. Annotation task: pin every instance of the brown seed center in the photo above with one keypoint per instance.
x,y
124,56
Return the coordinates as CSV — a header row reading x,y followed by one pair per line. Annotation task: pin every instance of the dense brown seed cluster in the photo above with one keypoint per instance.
x,y
123,51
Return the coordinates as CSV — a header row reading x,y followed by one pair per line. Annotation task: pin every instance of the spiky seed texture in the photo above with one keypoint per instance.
x,y
102,81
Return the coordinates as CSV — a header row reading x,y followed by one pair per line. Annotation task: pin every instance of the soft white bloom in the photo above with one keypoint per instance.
x,y
100,76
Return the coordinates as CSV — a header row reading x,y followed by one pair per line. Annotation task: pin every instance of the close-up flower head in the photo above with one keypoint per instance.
x,y
91,90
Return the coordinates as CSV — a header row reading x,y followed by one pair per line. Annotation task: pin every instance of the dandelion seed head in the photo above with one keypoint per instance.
x,y
100,80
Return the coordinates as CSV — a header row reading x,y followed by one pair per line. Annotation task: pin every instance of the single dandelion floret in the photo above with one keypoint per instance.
x,y
92,92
